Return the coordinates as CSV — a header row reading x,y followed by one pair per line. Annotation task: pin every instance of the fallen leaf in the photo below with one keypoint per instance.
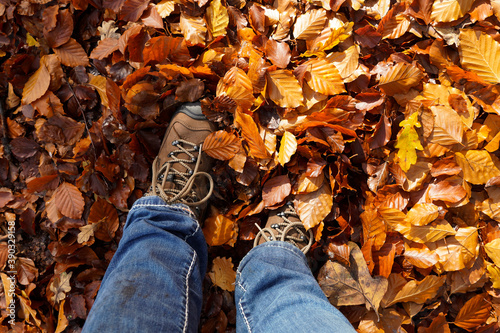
x,y
353,284
222,273
60,286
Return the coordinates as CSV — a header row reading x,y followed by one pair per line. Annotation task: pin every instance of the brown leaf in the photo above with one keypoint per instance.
x,y
60,286
72,54
63,30
69,200
105,214
275,190
353,284
190,90
133,9
24,148
152,18
104,48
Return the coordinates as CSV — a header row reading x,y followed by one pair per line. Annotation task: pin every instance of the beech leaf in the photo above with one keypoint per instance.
x,y
69,200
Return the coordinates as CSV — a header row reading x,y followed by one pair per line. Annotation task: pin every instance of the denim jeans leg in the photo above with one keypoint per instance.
x,y
276,292
154,281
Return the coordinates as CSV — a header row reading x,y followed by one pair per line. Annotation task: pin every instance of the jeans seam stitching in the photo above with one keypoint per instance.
x,y
244,316
188,275
283,247
241,286
178,208
194,232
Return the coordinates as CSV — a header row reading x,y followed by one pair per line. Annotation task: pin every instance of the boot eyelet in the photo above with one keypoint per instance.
x,y
193,159
175,143
274,226
196,147
170,154
190,172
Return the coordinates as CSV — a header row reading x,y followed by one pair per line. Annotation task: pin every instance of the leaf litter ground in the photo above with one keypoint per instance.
x,y
378,120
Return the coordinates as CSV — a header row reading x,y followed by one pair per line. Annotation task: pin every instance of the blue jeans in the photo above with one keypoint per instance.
x,y
154,281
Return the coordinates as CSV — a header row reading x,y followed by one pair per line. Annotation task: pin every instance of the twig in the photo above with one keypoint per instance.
x,y
5,139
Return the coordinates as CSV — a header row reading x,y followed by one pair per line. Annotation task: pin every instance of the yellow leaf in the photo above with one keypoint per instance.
x,y
457,252
419,291
37,85
395,218
494,272
493,250
309,184
309,24
419,255
284,89
99,83
479,53
223,274
323,77
400,78
373,227
328,39
6,288
422,214
450,10
314,207
165,7
193,28
217,18
288,147
408,142
31,41
478,166
238,87
346,62
429,233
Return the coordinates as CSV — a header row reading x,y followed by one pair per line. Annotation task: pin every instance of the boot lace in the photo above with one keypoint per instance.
x,y
183,190
287,231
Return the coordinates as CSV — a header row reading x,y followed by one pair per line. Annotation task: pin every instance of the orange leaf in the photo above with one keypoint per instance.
x,y
72,54
238,87
278,52
275,190
163,48
69,200
314,207
473,313
37,85
400,78
219,229
250,133
284,89
221,145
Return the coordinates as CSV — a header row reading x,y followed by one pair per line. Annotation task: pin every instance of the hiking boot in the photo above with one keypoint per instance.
x,y
180,169
284,225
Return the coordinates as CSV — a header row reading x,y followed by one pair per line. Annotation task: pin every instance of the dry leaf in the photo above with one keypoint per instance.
x,y
223,274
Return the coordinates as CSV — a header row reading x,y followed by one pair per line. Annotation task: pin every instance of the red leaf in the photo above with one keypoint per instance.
x,y
163,48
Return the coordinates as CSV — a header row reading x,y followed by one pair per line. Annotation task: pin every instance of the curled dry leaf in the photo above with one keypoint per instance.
x,y
419,291
288,147
223,274
352,284
60,286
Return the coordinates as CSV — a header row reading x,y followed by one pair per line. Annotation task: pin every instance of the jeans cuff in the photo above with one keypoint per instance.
x,y
274,244
154,201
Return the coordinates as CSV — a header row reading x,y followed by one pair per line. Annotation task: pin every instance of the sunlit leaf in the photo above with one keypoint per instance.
x,y
221,145
408,142
284,89
222,273
314,207
478,166
288,146
479,53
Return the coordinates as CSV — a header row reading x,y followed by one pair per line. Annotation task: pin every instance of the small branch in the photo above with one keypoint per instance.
x,y
4,130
